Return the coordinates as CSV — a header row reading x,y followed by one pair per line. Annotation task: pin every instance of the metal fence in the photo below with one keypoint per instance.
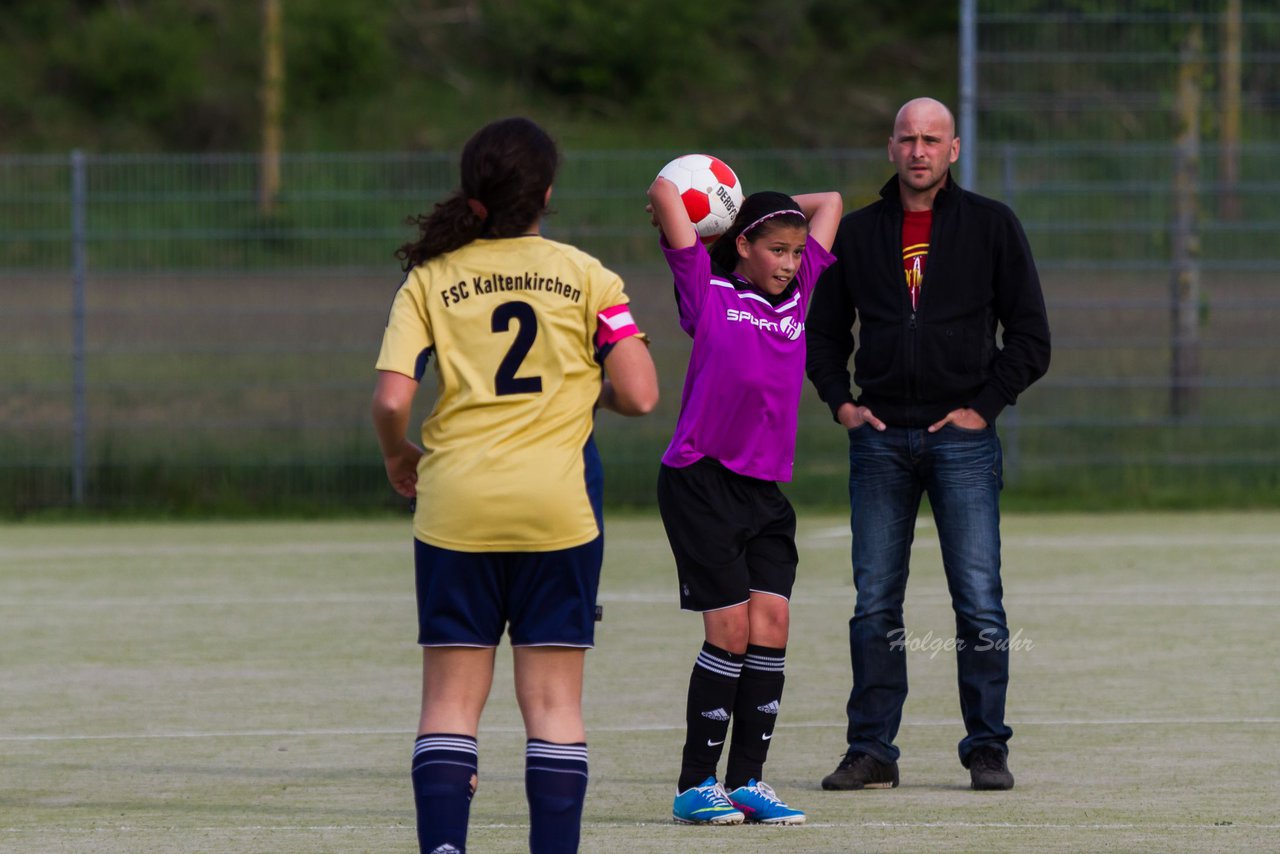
x,y
1082,70
168,341
1127,137
164,342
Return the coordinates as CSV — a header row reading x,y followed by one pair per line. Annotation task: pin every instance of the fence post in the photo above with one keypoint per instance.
x,y
1009,191
79,409
1184,296
1009,174
968,130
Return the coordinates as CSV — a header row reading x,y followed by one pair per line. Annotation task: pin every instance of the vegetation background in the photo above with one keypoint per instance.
x,y
382,75
175,371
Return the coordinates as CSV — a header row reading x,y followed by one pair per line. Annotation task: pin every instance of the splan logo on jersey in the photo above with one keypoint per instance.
x,y
497,283
789,326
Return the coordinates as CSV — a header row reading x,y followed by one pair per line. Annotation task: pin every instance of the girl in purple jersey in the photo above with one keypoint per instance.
x,y
731,529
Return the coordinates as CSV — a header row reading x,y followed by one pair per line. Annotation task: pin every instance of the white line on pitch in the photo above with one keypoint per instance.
x,y
588,824
216,601
306,733
99,550
1152,597
1053,825
1091,541
1083,541
1095,542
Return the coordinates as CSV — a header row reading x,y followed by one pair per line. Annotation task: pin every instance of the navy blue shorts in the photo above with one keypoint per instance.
x,y
731,535
542,598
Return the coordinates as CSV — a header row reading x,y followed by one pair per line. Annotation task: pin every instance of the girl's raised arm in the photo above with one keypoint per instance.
x,y
670,216
823,212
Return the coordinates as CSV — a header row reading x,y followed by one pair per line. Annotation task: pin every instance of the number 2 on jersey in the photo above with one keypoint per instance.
x,y
505,380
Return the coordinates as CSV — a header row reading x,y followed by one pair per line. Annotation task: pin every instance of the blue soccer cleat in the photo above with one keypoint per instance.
x,y
760,804
705,804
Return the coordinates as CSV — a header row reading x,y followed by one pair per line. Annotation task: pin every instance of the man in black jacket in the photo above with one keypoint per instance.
x,y
932,380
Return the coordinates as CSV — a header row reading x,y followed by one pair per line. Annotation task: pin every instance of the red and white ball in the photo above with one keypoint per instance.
x,y
711,192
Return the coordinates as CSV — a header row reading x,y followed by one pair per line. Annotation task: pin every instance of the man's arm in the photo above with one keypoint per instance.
x,y
1024,322
829,337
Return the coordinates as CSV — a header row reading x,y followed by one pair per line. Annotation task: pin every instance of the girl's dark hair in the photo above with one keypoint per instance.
x,y
724,252
506,168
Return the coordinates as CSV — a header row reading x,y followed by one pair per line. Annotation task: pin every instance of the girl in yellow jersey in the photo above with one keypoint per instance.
x,y
527,336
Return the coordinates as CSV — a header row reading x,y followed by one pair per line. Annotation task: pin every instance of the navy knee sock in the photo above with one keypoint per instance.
x,y
555,783
444,774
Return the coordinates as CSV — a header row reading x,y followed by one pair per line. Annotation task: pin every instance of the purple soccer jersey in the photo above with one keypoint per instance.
x,y
742,388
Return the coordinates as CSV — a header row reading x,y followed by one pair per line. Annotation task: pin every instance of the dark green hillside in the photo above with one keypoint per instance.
x,y
186,75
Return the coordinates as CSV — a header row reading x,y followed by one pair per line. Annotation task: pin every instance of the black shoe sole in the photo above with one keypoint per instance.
x,y
992,787
831,785
834,787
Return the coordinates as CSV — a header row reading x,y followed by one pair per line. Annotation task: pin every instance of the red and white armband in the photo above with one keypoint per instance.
x,y
615,324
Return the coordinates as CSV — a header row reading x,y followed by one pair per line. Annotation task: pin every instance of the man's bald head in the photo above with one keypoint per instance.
x,y
922,148
925,108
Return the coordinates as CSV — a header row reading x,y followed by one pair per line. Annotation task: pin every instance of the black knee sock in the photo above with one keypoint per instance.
x,y
444,772
755,712
711,691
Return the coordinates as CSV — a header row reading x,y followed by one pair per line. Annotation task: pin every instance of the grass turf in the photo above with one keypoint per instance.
x,y
252,687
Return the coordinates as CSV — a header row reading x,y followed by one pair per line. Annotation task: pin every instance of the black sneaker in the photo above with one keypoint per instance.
x,y
857,770
989,769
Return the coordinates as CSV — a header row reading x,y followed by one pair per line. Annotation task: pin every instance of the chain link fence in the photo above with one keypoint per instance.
x,y
1134,140
169,340
166,343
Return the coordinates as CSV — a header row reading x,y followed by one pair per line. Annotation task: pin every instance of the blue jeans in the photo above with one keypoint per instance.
x,y
961,471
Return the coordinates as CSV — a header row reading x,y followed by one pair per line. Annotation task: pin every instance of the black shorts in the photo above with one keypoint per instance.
x,y
731,535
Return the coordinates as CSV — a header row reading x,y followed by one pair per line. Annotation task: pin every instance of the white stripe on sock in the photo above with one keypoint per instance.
x,y
444,742
547,750
768,663
718,665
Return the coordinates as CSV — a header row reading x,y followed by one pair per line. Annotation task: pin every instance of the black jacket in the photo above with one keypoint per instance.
x,y
914,367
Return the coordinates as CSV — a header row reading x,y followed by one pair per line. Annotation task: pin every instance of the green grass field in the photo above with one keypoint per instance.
x,y
253,687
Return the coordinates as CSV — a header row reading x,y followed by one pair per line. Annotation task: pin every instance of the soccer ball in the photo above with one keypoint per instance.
x,y
711,192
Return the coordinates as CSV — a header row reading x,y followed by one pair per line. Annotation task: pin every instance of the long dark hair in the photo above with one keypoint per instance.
x,y
506,168
760,214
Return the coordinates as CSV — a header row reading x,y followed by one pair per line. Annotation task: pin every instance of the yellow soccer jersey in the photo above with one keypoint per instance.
x,y
512,327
